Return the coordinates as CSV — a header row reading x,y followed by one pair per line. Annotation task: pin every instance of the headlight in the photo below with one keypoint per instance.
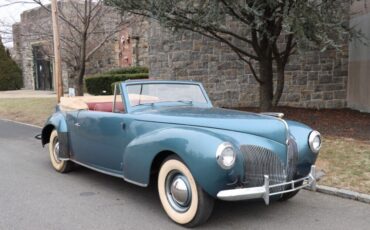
x,y
314,140
225,155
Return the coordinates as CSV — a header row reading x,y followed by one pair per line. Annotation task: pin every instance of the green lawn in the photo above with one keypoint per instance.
x,y
345,161
30,110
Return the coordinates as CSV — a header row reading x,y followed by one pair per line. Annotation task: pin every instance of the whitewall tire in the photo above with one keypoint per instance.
x,y
182,198
61,166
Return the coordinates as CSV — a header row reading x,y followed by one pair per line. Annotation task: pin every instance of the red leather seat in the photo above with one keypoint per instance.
x,y
91,105
105,106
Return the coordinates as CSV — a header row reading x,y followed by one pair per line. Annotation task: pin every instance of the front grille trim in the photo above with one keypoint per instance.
x,y
292,158
260,161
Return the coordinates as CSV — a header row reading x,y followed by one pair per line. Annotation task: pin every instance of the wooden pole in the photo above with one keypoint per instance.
x,y
57,57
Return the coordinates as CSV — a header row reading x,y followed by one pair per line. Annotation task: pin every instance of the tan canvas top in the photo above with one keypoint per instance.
x,y
80,102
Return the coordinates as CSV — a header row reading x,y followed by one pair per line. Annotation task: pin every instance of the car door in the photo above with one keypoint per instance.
x,y
99,138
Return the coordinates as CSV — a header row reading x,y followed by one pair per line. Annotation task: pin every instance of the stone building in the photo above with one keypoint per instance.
x,y
313,79
33,45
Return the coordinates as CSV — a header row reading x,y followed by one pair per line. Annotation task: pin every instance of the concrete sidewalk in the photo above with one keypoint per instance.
x,y
25,93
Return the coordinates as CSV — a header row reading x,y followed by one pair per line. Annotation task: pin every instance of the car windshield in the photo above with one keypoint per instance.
x,y
148,93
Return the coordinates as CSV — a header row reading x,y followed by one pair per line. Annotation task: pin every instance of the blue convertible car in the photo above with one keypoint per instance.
x,y
168,132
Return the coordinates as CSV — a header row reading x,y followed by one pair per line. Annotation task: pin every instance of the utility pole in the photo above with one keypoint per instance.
x,y
57,57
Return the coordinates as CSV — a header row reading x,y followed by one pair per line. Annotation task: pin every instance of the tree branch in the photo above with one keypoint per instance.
x,y
61,16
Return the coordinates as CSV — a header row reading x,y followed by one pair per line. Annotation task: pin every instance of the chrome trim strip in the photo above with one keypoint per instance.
x,y
109,173
63,159
96,169
286,130
114,98
279,116
135,183
289,156
264,191
289,182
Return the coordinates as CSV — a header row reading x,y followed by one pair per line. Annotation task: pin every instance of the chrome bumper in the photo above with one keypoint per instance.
x,y
264,191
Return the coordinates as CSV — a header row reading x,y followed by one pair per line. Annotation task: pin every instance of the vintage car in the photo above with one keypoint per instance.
x,y
168,133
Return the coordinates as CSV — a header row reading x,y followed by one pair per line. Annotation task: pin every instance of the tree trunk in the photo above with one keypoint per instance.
x,y
79,80
279,83
79,83
266,85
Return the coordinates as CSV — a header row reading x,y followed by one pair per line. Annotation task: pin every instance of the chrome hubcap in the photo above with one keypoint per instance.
x,y
178,191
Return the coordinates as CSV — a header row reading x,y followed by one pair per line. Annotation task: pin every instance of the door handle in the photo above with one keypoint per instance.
x,y
77,124
123,125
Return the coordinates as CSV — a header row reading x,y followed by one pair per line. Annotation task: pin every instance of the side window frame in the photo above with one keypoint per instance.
x,y
117,93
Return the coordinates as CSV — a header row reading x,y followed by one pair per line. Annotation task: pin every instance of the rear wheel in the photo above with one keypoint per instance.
x,y
182,198
61,166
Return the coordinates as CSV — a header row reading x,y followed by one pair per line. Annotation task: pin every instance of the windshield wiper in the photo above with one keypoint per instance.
x,y
153,103
150,103
186,102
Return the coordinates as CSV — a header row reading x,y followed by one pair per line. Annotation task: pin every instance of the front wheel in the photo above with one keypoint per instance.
x,y
59,165
182,198
288,195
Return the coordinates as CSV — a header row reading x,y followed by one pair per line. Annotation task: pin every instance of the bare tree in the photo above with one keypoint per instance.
x,y
5,31
84,30
9,3
6,21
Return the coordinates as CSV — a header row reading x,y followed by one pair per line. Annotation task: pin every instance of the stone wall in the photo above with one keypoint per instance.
x,y
139,29
35,29
313,79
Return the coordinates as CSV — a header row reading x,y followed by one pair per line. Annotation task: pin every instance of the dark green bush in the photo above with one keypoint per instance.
x,y
101,84
129,70
10,73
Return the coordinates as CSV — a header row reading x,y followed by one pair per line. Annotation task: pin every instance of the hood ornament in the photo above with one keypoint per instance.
x,y
272,114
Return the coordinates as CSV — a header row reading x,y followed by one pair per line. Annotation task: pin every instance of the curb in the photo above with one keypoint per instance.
x,y
343,193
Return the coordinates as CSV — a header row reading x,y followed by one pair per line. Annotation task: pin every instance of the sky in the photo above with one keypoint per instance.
x,y
10,11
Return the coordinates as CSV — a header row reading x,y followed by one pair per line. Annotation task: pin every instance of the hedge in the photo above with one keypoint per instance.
x,y
129,70
102,84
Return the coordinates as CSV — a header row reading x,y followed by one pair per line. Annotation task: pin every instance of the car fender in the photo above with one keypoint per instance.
x,y
305,155
57,121
195,146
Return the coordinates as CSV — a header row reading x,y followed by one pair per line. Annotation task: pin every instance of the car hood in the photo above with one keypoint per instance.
x,y
233,120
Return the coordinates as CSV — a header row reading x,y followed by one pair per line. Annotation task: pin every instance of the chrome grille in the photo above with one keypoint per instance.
x,y
259,161
292,158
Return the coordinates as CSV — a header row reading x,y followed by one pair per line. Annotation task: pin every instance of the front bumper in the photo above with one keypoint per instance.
x,y
264,191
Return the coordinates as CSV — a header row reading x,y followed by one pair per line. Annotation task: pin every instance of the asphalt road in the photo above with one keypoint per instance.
x,y
34,196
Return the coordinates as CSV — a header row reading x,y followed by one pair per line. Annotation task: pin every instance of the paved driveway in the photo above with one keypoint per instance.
x,y
34,196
